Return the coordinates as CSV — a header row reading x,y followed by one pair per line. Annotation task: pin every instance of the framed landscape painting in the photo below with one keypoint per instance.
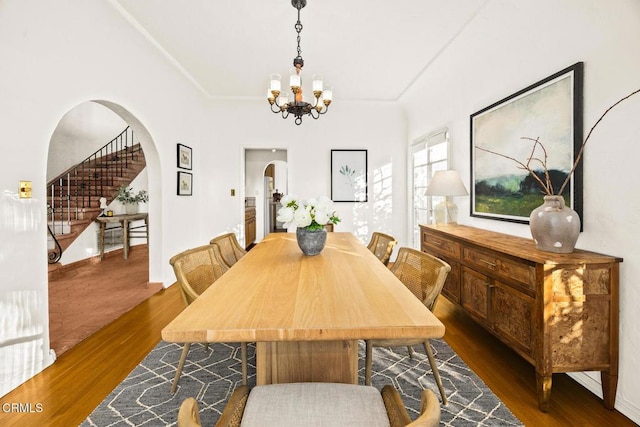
x,y
349,175
538,126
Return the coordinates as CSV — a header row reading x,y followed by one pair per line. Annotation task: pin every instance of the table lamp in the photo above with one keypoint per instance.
x,y
446,183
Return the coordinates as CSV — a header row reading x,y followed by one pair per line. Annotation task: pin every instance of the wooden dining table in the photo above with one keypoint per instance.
x,y
305,313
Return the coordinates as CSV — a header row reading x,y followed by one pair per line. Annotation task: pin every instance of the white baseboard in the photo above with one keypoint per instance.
x,y
622,405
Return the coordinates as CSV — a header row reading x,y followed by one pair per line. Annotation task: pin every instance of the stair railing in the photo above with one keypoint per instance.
x,y
55,252
81,186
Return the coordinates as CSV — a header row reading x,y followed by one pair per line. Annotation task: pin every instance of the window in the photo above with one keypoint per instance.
x,y
429,153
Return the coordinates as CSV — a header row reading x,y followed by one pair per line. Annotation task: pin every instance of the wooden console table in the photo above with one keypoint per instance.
x,y
558,311
125,221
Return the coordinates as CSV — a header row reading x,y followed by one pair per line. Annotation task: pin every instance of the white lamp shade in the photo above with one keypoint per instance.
x,y
446,183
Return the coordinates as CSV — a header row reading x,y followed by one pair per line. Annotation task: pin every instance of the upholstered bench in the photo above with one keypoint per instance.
x,y
316,404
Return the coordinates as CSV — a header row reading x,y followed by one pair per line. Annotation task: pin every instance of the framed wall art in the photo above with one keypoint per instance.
x,y
184,157
349,175
185,184
540,127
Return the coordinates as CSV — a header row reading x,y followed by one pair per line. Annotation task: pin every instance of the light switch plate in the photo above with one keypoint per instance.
x,y
25,189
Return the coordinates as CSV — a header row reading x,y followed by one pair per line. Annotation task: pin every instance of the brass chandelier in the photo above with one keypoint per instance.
x,y
298,107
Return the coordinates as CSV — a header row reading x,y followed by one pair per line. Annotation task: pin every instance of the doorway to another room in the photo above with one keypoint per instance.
x,y
266,180
87,291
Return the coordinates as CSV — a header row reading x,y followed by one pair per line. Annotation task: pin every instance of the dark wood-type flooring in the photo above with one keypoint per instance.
x,y
86,297
83,376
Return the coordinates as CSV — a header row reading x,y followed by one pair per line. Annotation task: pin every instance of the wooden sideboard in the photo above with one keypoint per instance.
x,y
558,311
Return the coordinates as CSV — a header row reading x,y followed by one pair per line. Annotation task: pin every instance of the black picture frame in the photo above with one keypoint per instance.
x,y
550,110
184,157
349,176
185,184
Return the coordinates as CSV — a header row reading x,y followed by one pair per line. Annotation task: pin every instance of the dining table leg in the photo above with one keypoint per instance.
x,y
307,361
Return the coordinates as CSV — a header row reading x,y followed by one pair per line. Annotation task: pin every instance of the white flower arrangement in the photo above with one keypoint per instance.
x,y
312,214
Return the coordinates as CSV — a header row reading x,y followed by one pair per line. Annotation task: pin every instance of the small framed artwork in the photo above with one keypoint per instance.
x,y
349,175
539,127
185,184
184,157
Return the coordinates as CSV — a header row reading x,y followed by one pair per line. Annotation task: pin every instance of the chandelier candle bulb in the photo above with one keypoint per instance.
x,y
294,81
275,83
299,107
327,95
317,85
284,100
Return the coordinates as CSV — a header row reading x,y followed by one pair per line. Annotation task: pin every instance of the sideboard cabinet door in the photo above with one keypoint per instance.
x,y
475,294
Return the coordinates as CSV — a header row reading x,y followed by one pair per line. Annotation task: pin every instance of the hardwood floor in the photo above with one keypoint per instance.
x,y
89,295
82,377
513,380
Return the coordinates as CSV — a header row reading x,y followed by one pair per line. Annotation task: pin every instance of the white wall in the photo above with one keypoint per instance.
x,y
511,45
54,56
377,127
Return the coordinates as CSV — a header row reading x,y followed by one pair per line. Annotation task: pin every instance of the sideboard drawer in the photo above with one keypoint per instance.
x,y
507,268
442,246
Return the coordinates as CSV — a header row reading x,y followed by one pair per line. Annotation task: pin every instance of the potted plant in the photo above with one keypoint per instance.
x,y
309,217
554,226
130,199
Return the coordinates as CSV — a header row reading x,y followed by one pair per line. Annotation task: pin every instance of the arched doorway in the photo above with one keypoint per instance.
x,y
80,132
275,185
257,185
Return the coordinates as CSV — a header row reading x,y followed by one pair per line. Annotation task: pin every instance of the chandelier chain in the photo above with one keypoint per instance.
x,y
298,28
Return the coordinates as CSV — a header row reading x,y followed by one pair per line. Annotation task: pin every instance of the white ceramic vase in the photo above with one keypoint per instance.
x,y
131,208
554,226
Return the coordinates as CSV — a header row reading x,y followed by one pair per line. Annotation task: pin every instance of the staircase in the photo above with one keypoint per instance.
x,y
74,196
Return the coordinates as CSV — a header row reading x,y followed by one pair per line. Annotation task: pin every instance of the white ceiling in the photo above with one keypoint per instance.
x,y
367,49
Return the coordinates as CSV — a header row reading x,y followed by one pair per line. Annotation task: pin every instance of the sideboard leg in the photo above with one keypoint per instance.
x,y
609,389
543,385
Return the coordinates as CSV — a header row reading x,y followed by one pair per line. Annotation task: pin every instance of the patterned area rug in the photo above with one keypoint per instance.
x,y
144,399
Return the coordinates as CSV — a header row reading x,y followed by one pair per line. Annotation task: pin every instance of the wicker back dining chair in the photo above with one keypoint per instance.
x,y
196,270
381,245
424,275
328,404
189,414
229,248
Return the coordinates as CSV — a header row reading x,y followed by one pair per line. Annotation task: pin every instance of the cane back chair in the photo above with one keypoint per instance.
x,y
196,270
381,245
424,275
229,248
